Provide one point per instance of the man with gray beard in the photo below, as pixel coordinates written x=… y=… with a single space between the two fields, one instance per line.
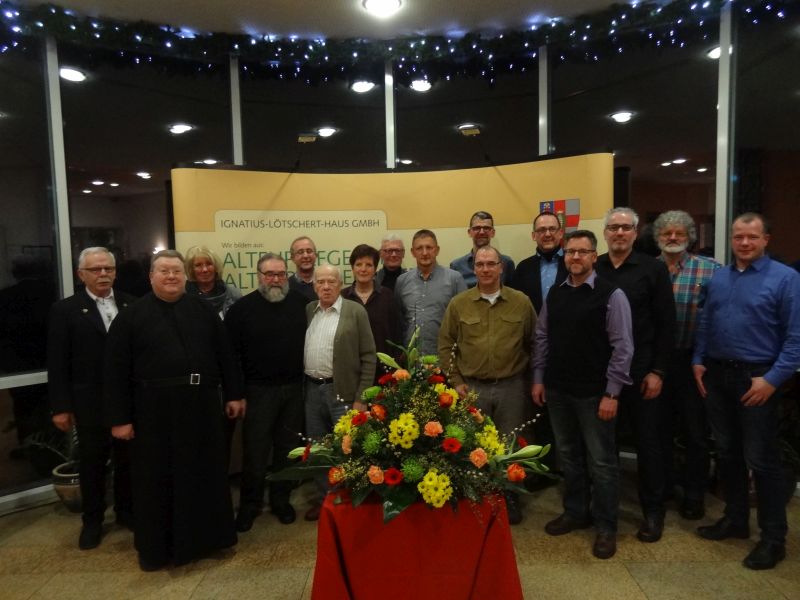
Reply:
x=267 y=329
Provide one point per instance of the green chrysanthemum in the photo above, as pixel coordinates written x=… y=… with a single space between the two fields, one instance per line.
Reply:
x=455 y=431
x=412 y=469
x=372 y=443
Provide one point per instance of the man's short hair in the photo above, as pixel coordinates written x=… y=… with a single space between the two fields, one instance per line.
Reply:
x=302 y=237
x=392 y=237
x=94 y=250
x=424 y=233
x=671 y=218
x=546 y=213
x=332 y=268
x=749 y=217
x=169 y=253
x=483 y=216
x=490 y=249
x=364 y=251
x=625 y=210
x=201 y=252
x=270 y=256
x=581 y=233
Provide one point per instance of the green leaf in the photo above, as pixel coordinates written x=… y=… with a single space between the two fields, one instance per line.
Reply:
x=299 y=472
x=357 y=496
x=412 y=357
x=397 y=500
x=387 y=360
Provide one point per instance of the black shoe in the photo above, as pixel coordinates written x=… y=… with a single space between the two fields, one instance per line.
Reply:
x=692 y=510
x=564 y=524
x=285 y=513
x=651 y=529
x=245 y=518
x=765 y=556
x=90 y=537
x=724 y=529
x=512 y=506
x=125 y=519
x=605 y=545
x=148 y=565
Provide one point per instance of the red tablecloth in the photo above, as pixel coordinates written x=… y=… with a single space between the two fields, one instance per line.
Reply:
x=423 y=553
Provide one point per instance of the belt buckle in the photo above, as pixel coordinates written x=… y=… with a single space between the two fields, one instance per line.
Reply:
x=194 y=379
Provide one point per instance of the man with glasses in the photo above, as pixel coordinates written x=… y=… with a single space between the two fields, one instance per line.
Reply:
x=481 y=230
x=303 y=253
x=584 y=345
x=485 y=344
x=76 y=345
x=647 y=285
x=392 y=253
x=267 y=329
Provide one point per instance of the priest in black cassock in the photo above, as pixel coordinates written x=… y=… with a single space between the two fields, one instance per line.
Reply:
x=171 y=381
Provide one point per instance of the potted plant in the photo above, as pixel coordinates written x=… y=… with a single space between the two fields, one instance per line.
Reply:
x=53 y=446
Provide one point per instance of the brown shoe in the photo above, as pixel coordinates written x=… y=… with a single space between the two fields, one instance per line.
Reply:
x=564 y=524
x=605 y=545
x=312 y=514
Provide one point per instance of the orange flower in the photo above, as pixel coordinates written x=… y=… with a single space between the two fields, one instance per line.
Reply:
x=378 y=411
x=445 y=400
x=478 y=457
x=401 y=375
x=375 y=475
x=347 y=444
x=433 y=428
x=335 y=475
x=515 y=472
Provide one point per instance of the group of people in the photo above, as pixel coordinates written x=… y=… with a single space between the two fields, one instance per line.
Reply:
x=674 y=339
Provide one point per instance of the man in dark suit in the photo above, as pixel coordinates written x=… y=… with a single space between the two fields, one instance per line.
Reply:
x=75 y=351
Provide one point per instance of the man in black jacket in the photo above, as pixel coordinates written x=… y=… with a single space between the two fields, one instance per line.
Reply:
x=75 y=351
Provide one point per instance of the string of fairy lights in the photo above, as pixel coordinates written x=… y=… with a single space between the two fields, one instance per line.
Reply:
x=595 y=37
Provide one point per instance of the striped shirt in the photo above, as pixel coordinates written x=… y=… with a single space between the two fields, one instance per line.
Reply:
x=318 y=356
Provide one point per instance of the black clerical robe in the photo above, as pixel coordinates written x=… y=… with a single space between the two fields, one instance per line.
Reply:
x=178 y=454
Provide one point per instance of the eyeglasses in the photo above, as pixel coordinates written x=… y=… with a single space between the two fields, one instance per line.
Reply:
x=622 y=227
x=543 y=230
x=486 y=265
x=482 y=228
x=581 y=252
x=669 y=234
x=393 y=251
x=98 y=270
x=168 y=272
x=273 y=274
x=301 y=251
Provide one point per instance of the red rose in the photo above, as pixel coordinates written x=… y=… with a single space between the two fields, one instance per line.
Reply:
x=386 y=379
x=521 y=441
x=451 y=445
x=392 y=476
x=359 y=419
x=515 y=472
x=306 y=453
x=434 y=379
x=445 y=400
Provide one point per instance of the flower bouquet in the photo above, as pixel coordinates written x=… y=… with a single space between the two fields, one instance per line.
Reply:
x=417 y=439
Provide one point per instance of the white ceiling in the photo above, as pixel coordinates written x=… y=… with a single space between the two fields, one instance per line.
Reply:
x=334 y=18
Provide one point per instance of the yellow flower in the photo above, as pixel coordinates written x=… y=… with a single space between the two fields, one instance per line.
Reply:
x=403 y=430
x=489 y=440
x=343 y=425
x=435 y=488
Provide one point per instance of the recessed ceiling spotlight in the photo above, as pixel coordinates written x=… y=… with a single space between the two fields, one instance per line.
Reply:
x=420 y=85
x=210 y=161
x=179 y=128
x=362 y=86
x=702 y=169
x=678 y=161
x=326 y=131
x=382 y=8
x=144 y=175
x=71 y=74
x=469 y=129
x=87 y=191
x=113 y=184
x=714 y=53
x=98 y=182
x=622 y=116
x=666 y=164
x=405 y=161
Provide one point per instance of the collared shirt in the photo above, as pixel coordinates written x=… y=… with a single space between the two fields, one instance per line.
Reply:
x=548 y=270
x=423 y=302
x=318 y=353
x=107 y=307
x=618 y=327
x=753 y=316
x=689 y=286
x=489 y=340
x=466 y=266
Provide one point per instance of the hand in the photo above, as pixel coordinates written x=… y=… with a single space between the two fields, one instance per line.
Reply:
x=63 y=421
x=359 y=406
x=699 y=371
x=607 y=409
x=537 y=393
x=123 y=432
x=462 y=390
x=236 y=408
x=759 y=392
x=651 y=386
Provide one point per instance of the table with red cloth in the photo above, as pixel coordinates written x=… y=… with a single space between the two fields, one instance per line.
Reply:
x=422 y=553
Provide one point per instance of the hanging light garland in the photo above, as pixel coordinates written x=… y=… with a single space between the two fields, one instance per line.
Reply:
x=589 y=38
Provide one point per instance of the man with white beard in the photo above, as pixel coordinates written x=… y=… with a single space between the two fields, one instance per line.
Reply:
x=675 y=233
x=267 y=329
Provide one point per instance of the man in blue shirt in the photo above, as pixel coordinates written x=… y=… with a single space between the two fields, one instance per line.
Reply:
x=481 y=230
x=747 y=346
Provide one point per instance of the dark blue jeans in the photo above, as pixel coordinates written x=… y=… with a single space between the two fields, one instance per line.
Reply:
x=747 y=438
x=588 y=453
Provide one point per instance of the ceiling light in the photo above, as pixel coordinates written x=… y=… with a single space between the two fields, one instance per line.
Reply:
x=420 y=85
x=87 y=191
x=666 y=164
x=114 y=184
x=179 y=128
x=469 y=129
x=362 y=86
x=98 y=182
x=678 y=161
x=144 y=175
x=405 y=161
x=714 y=53
x=210 y=161
x=71 y=74
x=326 y=131
x=621 y=117
x=382 y=8
x=702 y=169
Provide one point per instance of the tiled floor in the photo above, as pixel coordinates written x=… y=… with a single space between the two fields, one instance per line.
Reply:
x=39 y=558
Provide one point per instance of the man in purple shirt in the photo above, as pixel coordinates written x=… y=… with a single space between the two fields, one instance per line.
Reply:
x=584 y=346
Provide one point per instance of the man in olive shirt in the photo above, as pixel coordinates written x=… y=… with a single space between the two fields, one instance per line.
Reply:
x=485 y=346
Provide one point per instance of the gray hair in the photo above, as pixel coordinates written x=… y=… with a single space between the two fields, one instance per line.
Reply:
x=270 y=256
x=625 y=210
x=94 y=250
x=392 y=237
x=335 y=270
x=672 y=218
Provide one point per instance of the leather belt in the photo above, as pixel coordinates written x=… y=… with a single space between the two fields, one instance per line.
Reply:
x=738 y=365
x=191 y=379
x=319 y=380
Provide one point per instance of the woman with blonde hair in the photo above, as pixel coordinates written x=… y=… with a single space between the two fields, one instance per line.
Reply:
x=204 y=273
